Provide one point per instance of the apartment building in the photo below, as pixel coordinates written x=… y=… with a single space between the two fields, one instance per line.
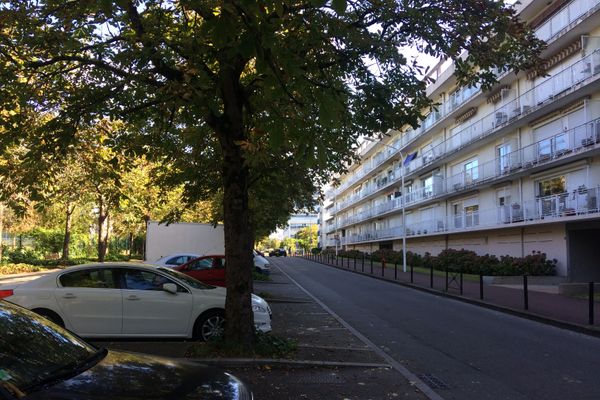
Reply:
x=512 y=170
x=295 y=224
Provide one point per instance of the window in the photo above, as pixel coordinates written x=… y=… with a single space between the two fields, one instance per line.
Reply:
x=89 y=278
x=428 y=186
x=457 y=212
x=207 y=263
x=472 y=215
x=556 y=185
x=503 y=158
x=178 y=260
x=136 y=279
x=471 y=171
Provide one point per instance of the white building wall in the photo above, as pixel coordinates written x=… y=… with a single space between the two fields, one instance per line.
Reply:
x=549 y=171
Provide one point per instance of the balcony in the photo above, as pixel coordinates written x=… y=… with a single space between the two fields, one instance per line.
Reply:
x=569 y=14
x=557 y=207
x=565 y=81
x=554 y=148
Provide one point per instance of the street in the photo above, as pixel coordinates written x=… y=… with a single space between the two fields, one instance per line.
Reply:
x=460 y=350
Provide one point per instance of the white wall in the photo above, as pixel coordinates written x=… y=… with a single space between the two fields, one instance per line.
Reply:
x=163 y=239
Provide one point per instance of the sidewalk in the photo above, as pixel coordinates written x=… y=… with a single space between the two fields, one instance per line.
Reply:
x=331 y=362
x=544 y=303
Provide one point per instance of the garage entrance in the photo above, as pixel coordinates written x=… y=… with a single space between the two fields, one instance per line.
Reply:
x=583 y=247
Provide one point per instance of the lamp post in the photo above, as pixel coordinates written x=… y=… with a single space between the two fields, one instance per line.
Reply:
x=403 y=198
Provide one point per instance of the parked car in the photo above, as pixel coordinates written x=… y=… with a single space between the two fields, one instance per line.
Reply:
x=207 y=269
x=211 y=269
x=278 y=253
x=173 y=260
x=261 y=264
x=40 y=360
x=130 y=300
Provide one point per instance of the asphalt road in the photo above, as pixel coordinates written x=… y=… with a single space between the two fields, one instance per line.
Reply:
x=460 y=350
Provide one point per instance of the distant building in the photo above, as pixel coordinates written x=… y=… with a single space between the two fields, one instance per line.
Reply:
x=510 y=170
x=295 y=223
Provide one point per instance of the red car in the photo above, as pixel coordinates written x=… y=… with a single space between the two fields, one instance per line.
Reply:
x=207 y=269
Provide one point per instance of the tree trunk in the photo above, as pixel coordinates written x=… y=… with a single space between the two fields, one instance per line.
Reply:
x=67 y=238
x=130 y=243
x=1 y=230
x=106 y=235
x=101 y=219
x=239 y=330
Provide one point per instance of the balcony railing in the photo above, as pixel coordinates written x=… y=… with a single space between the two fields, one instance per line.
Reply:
x=578 y=202
x=535 y=98
x=553 y=148
x=569 y=14
x=547 y=150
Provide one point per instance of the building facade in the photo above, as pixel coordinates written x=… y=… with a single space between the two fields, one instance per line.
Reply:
x=512 y=170
x=295 y=224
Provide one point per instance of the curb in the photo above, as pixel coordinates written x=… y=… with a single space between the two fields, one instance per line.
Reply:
x=583 y=329
x=277 y=361
x=27 y=274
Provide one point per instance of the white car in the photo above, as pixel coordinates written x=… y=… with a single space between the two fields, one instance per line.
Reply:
x=130 y=300
x=261 y=264
x=174 y=260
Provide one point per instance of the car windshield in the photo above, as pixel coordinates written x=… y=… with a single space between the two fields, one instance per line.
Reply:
x=34 y=351
x=196 y=284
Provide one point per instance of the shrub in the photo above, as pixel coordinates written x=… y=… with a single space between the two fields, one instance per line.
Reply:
x=470 y=263
x=350 y=253
x=390 y=256
x=18 y=268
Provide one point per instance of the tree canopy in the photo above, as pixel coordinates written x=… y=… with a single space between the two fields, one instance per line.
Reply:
x=231 y=87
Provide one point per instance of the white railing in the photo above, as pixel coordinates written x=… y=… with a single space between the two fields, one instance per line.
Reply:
x=569 y=14
x=535 y=98
x=564 y=17
x=578 y=202
x=553 y=148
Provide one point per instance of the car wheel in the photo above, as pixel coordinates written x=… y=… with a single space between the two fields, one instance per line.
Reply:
x=50 y=316
x=209 y=325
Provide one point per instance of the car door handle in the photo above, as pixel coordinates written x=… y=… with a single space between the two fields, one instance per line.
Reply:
x=133 y=298
x=69 y=296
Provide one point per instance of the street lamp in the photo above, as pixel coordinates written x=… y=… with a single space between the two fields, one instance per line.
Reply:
x=403 y=198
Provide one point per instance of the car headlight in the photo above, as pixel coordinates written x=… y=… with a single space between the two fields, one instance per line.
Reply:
x=257 y=308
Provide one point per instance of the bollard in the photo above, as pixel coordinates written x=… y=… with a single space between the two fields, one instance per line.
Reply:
x=371 y=258
x=355 y=262
x=591 y=303
x=461 y=282
x=431 y=276
x=383 y=267
x=446 y=279
x=480 y=286
x=525 y=293
x=411 y=274
x=363 y=263
x=396 y=270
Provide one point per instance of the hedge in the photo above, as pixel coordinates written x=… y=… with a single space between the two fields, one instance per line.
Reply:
x=464 y=260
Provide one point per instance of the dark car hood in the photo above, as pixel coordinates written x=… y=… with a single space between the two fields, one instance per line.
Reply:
x=132 y=376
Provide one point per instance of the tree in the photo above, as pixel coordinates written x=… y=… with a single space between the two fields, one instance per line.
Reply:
x=226 y=83
x=307 y=237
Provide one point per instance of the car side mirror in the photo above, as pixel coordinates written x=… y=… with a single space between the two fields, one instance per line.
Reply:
x=170 y=288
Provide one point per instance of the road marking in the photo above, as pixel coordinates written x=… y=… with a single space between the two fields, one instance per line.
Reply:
x=412 y=378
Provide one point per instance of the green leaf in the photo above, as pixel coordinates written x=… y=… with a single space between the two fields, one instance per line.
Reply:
x=275 y=137
x=339 y=6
